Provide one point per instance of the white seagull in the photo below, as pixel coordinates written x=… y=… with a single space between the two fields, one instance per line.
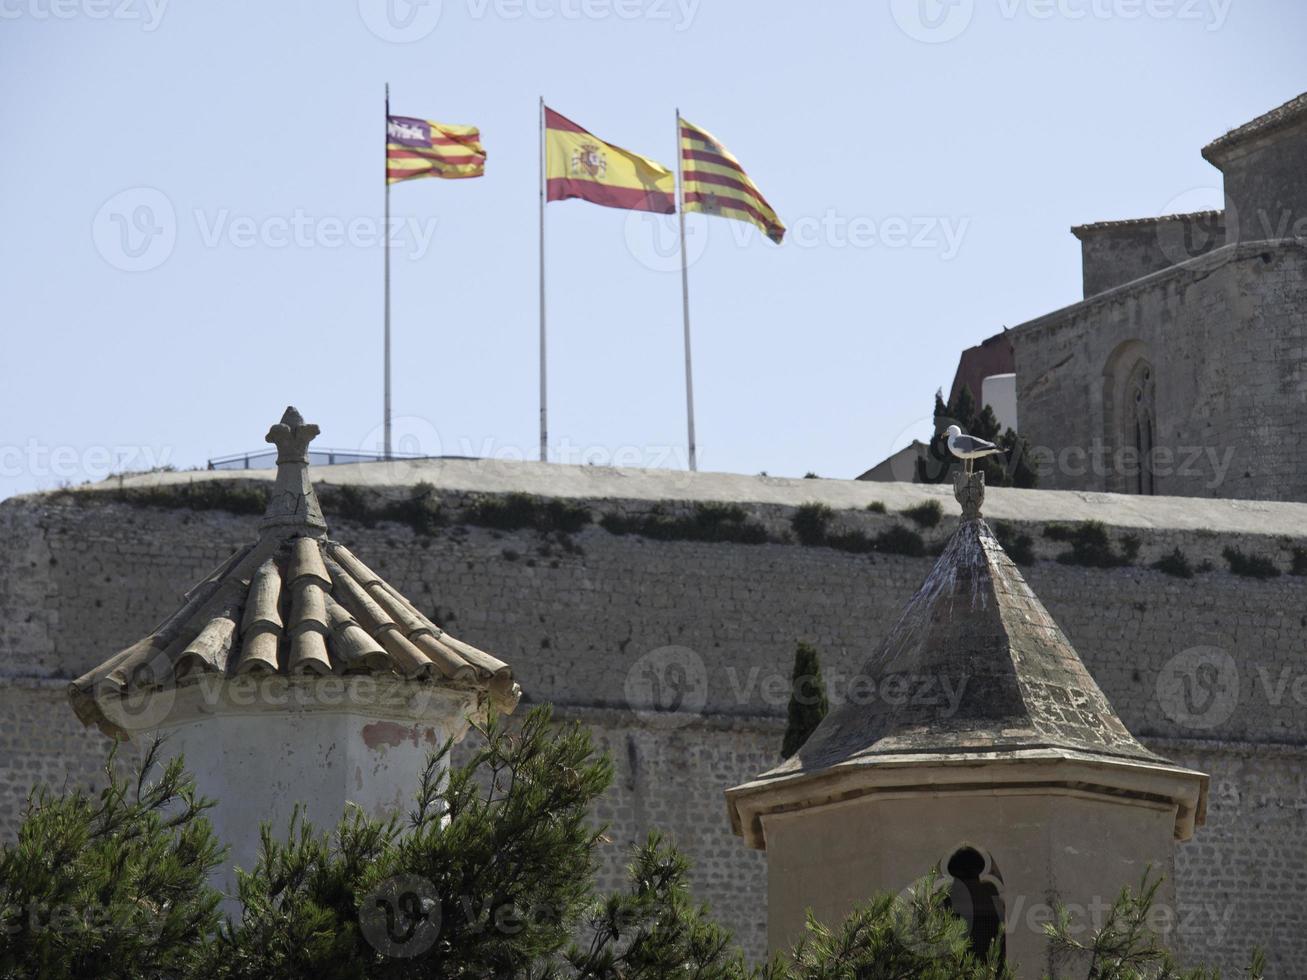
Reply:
x=968 y=448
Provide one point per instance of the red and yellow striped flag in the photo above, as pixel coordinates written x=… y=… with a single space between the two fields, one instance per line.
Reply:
x=712 y=181
x=580 y=164
x=422 y=148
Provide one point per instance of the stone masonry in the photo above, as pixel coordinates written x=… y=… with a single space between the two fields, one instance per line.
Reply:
x=677 y=652
x=1183 y=370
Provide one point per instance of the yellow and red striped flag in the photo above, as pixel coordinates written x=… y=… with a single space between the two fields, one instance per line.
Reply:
x=422 y=148
x=712 y=181
x=579 y=164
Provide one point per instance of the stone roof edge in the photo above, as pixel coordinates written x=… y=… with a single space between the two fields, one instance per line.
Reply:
x=1122 y=778
x=760 y=724
x=1268 y=122
x=1197 y=268
x=1095 y=226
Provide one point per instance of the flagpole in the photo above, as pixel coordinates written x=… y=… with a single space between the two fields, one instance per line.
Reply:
x=385 y=251
x=685 y=301
x=544 y=403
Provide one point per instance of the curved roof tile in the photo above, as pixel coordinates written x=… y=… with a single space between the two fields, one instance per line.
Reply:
x=293 y=603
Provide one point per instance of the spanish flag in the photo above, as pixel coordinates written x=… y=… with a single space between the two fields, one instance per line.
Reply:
x=712 y=181
x=422 y=148
x=578 y=164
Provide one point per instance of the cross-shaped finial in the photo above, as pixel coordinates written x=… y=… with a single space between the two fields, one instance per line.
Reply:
x=292 y=504
x=292 y=436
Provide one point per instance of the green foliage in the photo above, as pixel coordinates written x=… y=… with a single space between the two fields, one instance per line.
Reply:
x=900 y=540
x=110 y=885
x=1175 y=563
x=808 y=703
x=651 y=931
x=1299 y=566
x=926 y=514
x=1130 y=547
x=420 y=510
x=519 y=510
x=914 y=936
x=1124 y=946
x=504 y=847
x=1013 y=468
x=231 y=496
x=708 y=522
x=1250 y=566
x=1091 y=545
x=810 y=521
x=1020 y=547
x=811 y=525
x=491 y=875
x=876 y=507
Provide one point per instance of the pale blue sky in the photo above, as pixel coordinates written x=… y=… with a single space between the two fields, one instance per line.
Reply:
x=928 y=156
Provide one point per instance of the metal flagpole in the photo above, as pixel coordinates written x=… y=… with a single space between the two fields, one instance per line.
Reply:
x=544 y=417
x=385 y=251
x=685 y=299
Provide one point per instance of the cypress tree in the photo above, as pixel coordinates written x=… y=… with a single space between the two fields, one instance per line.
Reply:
x=808 y=704
x=1015 y=468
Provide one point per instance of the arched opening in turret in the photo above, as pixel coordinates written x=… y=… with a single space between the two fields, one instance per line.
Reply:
x=975 y=895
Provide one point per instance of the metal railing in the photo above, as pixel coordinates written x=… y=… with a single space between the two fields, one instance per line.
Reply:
x=267 y=458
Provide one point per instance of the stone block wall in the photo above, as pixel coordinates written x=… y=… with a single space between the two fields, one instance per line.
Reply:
x=677 y=653
x=1114 y=253
x=1226 y=335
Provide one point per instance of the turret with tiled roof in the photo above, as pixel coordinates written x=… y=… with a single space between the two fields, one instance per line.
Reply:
x=294 y=675
x=975 y=727
x=292 y=603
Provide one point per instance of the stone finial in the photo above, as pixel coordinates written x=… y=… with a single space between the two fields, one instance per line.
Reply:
x=292 y=436
x=292 y=502
x=969 y=488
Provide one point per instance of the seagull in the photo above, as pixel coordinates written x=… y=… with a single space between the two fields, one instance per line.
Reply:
x=968 y=448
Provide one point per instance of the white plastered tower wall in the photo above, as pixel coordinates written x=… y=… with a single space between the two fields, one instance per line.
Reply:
x=264 y=751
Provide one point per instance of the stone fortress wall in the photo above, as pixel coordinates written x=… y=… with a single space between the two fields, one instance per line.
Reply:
x=1184 y=369
x=678 y=652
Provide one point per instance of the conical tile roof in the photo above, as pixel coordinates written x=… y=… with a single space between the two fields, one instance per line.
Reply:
x=294 y=602
x=975 y=664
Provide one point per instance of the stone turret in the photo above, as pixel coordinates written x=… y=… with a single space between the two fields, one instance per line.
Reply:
x=1262 y=163
x=1007 y=770
x=293 y=673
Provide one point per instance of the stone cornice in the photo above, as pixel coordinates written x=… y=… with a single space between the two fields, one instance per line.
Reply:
x=1190 y=271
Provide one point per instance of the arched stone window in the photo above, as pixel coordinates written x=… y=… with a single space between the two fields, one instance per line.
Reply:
x=1129 y=418
x=1139 y=414
x=975 y=894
